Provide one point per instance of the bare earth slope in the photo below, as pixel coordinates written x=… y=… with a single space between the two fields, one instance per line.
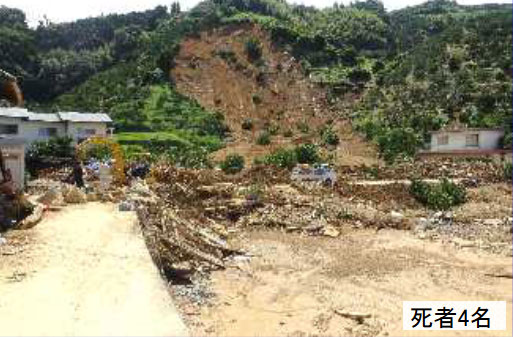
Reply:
x=215 y=70
x=83 y=271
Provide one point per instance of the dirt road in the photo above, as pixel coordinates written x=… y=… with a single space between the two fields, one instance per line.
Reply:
x=294 y=283
x=83 y=271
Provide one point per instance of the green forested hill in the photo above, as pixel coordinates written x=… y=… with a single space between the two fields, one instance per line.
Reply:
x=450 y=62
x=53 y=58
x=413 y=69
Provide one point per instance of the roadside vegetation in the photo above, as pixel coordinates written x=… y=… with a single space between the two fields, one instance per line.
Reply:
x=233 y=163
x=288 y=158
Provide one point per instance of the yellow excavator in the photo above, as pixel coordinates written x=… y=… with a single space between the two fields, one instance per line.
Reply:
x=13 y=205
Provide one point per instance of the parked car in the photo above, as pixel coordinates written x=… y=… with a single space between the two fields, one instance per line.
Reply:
x=322 y=173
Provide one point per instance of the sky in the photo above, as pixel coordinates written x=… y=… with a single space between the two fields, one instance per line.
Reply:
x=69 y=10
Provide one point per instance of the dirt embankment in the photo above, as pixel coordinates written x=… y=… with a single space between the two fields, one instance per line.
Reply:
x=272 y=92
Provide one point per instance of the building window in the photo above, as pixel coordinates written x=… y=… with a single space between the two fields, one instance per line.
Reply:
x=442 y=140
x=86 y=132
x=472 y=140
x=47 y=132
x=8 y=129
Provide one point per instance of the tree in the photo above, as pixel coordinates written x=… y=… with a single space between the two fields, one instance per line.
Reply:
x=175 y=8
x=370 y=5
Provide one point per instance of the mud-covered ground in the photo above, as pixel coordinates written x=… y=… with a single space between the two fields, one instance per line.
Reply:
x=292 y=284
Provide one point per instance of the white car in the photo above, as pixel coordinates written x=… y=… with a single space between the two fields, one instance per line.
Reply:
x=322 y=173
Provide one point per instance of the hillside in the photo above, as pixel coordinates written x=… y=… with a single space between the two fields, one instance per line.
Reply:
x=391 y=76
x=454 y=62
x=54 y=58
x=268 y=95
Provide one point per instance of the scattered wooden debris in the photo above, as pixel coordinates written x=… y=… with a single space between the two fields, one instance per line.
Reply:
x=357 y=316
x=508 y=275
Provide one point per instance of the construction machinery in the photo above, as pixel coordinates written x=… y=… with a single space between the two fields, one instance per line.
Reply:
x=10 y=92
x=13 y=205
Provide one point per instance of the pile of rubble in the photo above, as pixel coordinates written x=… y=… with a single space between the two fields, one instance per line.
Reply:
x=259 y=174
x=184 y=214
x=313 y=212
x=55 y=173
x=493 y=235
x=480 y=170
x=175 y=239
x=62 y=195
x=165 y=173
x=387 y=197
x=56 y=194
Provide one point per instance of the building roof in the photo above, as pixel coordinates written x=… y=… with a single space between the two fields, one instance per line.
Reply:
x=466 y=130
x=44 y=117
x=84 y=117
x=14 y=112
x=76 y=117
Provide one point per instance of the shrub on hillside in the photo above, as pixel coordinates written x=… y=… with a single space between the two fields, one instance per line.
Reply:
x=288 y=133
x=264 y=138
x=227 y=55
x=232 y=164
x=288 y=158
x=507 y=141
x=307 y=154
x=256 y=99
x=329 y=137
x=508 y=170
x=284 y=158
x=253 y=49
x=398 y=142
x=182 y=155
x=440 y=196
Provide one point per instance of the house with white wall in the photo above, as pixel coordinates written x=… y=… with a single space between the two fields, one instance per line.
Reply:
x=20 y=123
x=459 y=139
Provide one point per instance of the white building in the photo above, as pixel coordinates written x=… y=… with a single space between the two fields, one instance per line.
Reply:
x=22 y=124
x=465 y=140
x=13 y=152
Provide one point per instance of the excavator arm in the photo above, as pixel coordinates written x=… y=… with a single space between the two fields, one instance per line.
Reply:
x=12 y=92
x=10 y=89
